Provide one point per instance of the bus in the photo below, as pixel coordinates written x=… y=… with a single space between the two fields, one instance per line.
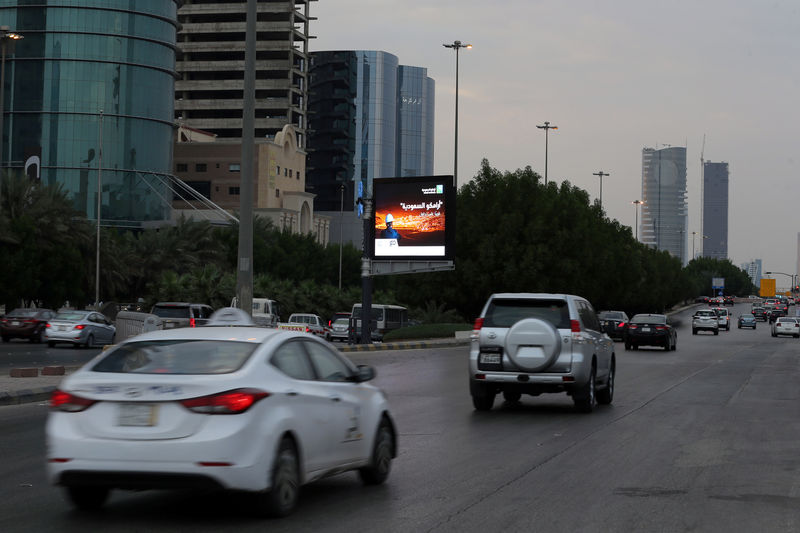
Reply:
x=384 y=318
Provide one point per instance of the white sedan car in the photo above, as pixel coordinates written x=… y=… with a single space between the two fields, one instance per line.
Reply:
x=254 y=409
x=786 y=325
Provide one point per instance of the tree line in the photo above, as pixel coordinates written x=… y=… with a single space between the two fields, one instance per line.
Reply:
x=513 y=234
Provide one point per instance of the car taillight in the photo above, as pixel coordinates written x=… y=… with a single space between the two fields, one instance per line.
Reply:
x=64 y=401
x=191 y=323
x=47 y=325
x=225 y=403
x=575 y=326
x=621 y=325
x=661 y=328
x=478 y=324
x=632 y=326
x=80 y=326
x=30 y=321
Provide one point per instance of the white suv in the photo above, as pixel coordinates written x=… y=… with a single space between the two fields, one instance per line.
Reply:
x=525 y=343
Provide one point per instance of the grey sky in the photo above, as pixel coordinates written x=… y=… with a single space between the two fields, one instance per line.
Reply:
x=614 y=76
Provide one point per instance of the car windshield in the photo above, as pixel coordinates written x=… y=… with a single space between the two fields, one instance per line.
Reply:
x=23 y=312
x=70 y=315
x=171 y=311
x=177 y=357
x=606 y=315
x=649 y=319
x=706 y=313
x=341 y=322
x=505 y=313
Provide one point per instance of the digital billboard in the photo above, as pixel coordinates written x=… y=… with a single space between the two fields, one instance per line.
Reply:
x=414 y=218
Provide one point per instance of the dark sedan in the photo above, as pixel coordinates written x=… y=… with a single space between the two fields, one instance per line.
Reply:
x=25 y=323
x=760 y=313
x=615 y=323
x=651 y=330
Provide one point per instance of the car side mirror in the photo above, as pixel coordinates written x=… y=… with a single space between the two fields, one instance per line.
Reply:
x=365 y=373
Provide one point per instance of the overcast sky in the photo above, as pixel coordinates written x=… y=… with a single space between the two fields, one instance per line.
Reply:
x=615 y=76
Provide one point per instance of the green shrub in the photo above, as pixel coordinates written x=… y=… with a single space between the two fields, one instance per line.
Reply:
x=426 y=331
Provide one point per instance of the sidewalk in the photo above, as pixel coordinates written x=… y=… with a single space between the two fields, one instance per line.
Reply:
x=18 y=390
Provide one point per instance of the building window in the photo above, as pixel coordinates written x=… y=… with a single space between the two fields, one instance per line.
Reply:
x=233 y=191
x=277 y=193
x=298 y=174
x=285 y=172
x=181 y=167
x=279 y=170
x=202 y=187
x=290 y=173
x=234 y=167
x=201 y=167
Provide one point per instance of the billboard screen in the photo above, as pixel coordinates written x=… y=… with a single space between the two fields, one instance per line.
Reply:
x=414 y=218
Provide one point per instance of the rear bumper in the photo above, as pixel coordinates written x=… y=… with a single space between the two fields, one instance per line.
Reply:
x=648 y=340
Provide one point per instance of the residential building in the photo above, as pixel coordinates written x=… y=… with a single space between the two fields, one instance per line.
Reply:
x=88 y=98
x=209 y=94
x=212 y=168
x=664 y=212
x=715 y=209
x=753 y=269
x=372 y=118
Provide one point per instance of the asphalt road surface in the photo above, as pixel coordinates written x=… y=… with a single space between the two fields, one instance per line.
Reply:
x=700 y=439
x=22 y=353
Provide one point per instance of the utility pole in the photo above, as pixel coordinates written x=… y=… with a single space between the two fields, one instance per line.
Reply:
x=601 y=174
x=546 y=127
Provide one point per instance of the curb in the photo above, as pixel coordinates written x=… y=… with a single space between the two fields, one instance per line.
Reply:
x=38 y=394
x=409 y=345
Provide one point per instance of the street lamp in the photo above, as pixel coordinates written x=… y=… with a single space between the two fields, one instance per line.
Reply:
x=636 y=204
x=6 y=37
x=546 y=127
x=601 y=174
x=693 y=235
x=341 y=235
x=457 y=45
x=793 y=277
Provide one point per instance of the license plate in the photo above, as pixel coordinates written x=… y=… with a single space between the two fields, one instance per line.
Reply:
x=490 y=358
x=168 y=325
x=137 y=414
x=646 y=330
x=62 y=328
x=15 y=323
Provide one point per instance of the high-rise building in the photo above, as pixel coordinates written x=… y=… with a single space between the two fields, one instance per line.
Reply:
x=664 y=213
x=89 y=94
x=753 y=269
x=372 y=118
x=211 y=47
x=715 y=210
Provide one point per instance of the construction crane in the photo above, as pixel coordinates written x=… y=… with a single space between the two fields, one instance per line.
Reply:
x=702 y=182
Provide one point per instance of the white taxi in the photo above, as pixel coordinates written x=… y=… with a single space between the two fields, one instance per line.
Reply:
x=243 y=408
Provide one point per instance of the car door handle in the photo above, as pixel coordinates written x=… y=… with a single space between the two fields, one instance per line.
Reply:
x=292 y=393
x=335 y=398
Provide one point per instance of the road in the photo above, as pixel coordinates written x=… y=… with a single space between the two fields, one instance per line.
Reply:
x=700 y=439
x=21 y=353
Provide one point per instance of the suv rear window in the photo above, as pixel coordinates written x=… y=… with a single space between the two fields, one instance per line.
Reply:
x=505 y=313
x=177 y=357
x=172 y=311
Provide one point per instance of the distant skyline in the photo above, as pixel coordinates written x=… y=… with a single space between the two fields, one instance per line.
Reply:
x=615 y=77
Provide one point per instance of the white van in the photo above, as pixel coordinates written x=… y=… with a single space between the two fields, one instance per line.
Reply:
x=266 y=312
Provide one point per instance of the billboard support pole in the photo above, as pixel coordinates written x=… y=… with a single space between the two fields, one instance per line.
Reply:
x=366 y=274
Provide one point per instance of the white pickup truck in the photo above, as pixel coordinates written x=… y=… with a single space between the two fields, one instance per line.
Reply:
x=308 y=323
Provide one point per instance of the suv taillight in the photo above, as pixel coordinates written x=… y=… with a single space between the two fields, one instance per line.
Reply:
x=575 y=326
x=192 y=323
x=478 y=324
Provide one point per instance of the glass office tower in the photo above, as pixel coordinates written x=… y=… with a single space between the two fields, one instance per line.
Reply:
x=715 y=210
x=664 y=213
x=90 y=76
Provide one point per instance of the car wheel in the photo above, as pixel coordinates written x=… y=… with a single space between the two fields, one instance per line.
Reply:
x=281 y=498
x=774 y=334
x=585 y=397
x=482 y=397
x=675 y=344
x=89 y=341
x=88 y=498
x=381 y=462
x=512 y=397
x=51 y=343
x=6 y=339
x=627 y=346
x=716 y=332
x=694 y=331
x=667 y=344
x=606 y=395
x=739 y=326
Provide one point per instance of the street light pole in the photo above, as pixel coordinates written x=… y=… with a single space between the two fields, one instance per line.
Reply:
x=341 y=223
x=99 y=198
x=601 y=174
x=546 y=127
x=636 y=204
x=6 y=36
x=457 y=45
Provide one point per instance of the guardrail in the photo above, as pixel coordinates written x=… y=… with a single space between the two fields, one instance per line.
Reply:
x=132 y=323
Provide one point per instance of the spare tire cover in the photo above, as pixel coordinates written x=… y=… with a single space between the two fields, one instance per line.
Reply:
x=532 y=344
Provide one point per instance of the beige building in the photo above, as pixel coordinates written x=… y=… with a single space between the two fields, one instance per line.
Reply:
x=212 y=168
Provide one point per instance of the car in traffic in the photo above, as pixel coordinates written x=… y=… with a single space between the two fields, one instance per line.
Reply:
x=760 y=313
x=728 y=300
x=182 y=314
x=340 y=329
x=615 y=323
x=79 y=328
x=25 y=323
x=238 y=408
x=310 y=323
x=723 y=317
x=746 y=320
x=336 y=316
x=535 y=343
x=705 y=320
x=786 y=325
x=647 y=329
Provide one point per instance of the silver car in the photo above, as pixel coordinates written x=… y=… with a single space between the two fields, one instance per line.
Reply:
x=339 y=329
x=79 y=328
x=526 y=343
